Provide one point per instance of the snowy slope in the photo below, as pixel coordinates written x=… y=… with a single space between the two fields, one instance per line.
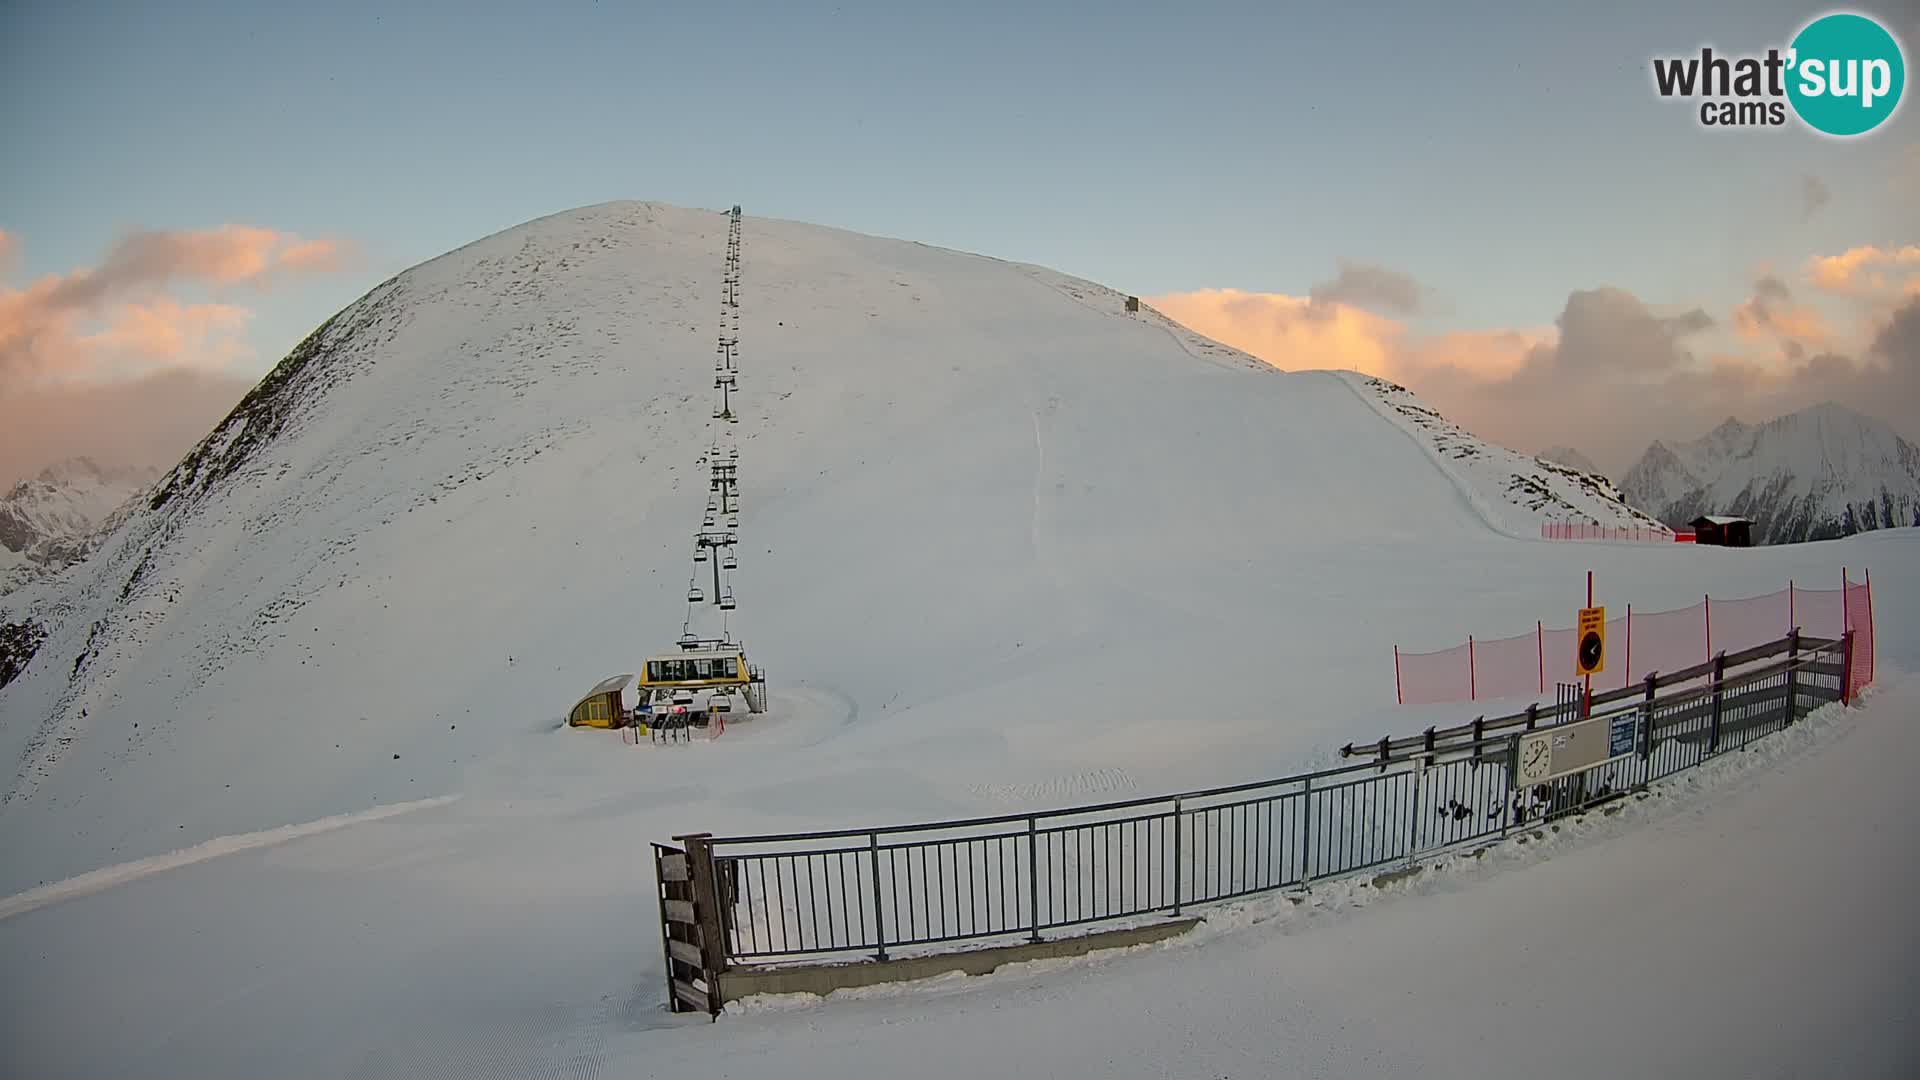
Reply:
x=1512 y=491
x=292 y=801
x=981 y=500
x=506 y=934
x=46 y=521
x=1797 y=476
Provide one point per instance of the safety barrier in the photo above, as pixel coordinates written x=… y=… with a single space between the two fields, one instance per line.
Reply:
x=1528 y=664
x=802 y=901
x=1591 y=530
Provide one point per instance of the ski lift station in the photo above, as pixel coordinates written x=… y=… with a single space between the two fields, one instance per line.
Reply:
x=690 y=686
x=703 y=678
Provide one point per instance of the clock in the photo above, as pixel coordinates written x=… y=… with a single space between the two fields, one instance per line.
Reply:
x=1536 y=760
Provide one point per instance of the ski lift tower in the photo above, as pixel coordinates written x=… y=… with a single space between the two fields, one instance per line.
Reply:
x=726 y=480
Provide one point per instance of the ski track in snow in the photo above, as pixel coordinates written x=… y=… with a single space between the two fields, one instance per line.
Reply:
x=107 y=877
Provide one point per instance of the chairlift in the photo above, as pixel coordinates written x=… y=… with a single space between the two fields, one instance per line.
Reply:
x=719 y=703
x=689 y=640
x=700 y=553
x=709 y=522
x=726 y=600
x=694 y=595
x=733 y=522
x=728 y=562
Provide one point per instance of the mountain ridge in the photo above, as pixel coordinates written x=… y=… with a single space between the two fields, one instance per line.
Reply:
x=1818 y=473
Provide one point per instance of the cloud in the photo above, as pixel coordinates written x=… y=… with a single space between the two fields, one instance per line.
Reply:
x=1771 y=315
x=1866 y=271
x=113 y=362
x=1610 y=376
x=1372 y=287
x=1813 y=196
x=6 y=252
x=164 y=330
x=120 y=315
x=152 y=419
x=1288 y=332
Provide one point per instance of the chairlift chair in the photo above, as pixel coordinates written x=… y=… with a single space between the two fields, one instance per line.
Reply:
x=694 y=595
x=726 y=600
x=728 y=562
x=700 y=553
x=719 y=703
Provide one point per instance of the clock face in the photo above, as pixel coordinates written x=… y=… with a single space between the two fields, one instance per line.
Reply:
x=1535 y=759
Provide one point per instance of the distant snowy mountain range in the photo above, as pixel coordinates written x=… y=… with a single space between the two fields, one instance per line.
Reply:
x=1822 y=472
x=52 y=520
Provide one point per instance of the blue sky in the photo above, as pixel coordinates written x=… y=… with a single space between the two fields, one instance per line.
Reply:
x=1502 y=154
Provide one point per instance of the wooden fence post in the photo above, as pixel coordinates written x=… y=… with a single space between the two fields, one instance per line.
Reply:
x=707 y=914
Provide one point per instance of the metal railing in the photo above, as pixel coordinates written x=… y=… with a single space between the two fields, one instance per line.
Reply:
x=880 y=891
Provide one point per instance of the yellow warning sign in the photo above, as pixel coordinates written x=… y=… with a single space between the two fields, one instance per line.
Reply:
x=1591 y=655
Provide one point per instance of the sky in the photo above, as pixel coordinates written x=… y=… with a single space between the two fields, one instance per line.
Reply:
x=1488 y=204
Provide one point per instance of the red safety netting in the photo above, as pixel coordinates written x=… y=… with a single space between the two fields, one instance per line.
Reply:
x=1820 y=612
x=1589 y=530
x=1639 y=644
x=1435 y=677
x=1509 y=667
x=1859 y=616
x=1736 y=625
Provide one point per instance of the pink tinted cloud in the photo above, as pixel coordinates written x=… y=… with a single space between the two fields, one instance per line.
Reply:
x=165 y=331
x=1300 y=333
x=1609 y=355
x=1866 y=270
x=121 y=313
x=113 y=362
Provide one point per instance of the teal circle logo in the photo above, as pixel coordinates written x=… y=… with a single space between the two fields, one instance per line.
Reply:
x=1846 y=74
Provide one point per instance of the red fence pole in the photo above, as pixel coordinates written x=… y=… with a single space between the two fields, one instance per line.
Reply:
x=1399 y=698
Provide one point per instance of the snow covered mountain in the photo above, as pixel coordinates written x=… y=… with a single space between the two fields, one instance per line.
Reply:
x=983 y=503
x=1810 y=475
x=1571 y=458
x=1512 y=491
x=48 y=522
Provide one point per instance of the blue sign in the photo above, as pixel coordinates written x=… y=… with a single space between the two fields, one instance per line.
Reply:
x=1620 y=732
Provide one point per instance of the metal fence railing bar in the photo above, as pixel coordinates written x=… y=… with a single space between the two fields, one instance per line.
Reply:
x=1004 y=878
